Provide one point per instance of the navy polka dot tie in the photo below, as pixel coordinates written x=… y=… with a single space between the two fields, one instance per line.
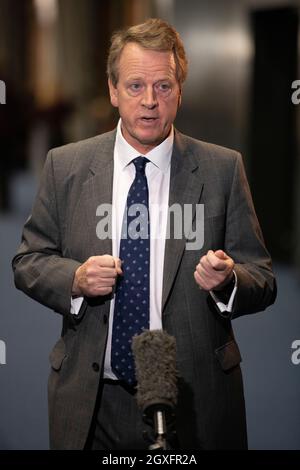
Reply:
x=131 y=314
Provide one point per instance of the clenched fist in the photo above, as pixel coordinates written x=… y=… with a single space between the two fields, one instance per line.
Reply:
x=214 y=271
x=96 y=276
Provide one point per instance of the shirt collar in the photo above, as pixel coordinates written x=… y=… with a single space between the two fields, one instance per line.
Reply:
x=160 y=156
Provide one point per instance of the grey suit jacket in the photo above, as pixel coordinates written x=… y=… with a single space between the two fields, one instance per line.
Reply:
x=60 y=234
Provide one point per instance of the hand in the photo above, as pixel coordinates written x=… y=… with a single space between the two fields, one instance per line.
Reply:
x=214 y=271
x=96 y=276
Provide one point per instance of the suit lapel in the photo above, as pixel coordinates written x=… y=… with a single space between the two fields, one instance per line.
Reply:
x=185 y=188
x=99 y=191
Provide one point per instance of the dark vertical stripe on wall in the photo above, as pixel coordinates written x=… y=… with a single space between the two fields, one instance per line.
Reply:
x=273 y=126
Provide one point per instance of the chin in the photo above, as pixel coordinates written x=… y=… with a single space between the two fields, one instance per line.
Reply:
x=145 y=139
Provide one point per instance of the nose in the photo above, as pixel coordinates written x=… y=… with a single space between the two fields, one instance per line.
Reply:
x=149 y=99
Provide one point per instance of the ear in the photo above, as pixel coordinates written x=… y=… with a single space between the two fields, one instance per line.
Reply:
x=113 y=93
x=179 y=98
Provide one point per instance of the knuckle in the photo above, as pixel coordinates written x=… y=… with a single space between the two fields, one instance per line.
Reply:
x=89 y=271
x=199 y=270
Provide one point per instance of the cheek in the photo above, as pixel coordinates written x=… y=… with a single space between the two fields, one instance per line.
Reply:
x=170 y=108
x=126 y=109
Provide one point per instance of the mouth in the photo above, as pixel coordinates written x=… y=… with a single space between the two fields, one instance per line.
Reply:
x=148 y=119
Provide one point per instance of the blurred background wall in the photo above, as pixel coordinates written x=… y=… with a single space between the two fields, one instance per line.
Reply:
x=243 y=58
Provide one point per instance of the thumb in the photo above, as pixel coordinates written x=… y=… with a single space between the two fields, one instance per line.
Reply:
x=221 y=254
x=118 y=264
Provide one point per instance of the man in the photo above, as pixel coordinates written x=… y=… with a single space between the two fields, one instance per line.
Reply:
x=122 y=284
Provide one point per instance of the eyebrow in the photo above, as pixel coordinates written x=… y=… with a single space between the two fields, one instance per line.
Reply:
x=165 y=79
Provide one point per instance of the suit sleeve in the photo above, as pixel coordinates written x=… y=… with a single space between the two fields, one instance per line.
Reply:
x=256 y=285
x=40 y=270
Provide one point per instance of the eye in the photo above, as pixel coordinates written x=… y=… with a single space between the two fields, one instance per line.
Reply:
x=164 y=87
x=135 y=87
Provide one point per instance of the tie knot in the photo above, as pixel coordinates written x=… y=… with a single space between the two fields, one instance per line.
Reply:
x=140 y=164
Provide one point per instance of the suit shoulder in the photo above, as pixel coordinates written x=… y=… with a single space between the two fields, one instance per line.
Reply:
x=82 y=149
x=74 y=160
x=201 y=149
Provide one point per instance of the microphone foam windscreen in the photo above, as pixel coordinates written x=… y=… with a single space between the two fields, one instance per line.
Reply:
x=155 y=366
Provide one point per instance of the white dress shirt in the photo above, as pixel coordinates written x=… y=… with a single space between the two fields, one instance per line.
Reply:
x=158 y=177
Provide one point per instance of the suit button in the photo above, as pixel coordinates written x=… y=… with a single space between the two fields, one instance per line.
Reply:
x=105 y=319
x=95 y=366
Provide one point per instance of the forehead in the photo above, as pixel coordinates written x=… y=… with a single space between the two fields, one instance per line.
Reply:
x=136 y=60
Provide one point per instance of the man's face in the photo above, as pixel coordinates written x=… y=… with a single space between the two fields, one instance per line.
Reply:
x=147 y=95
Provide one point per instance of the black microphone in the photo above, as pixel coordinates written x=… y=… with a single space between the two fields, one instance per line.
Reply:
x=156 y=373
